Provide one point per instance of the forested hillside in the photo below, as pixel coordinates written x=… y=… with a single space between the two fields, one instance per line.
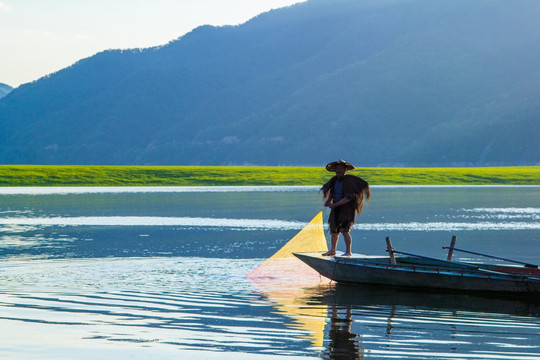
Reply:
x=386 y=82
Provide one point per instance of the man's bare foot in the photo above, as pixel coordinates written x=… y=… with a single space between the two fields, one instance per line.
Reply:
x=329 y=253
x=346 y=254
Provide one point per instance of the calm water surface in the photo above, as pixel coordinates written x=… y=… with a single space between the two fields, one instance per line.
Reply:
x=160 y=273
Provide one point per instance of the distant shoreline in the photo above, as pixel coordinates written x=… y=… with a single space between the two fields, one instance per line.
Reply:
x=94 y=175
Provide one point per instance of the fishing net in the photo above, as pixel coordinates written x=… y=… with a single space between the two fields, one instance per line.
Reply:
x=310 y=239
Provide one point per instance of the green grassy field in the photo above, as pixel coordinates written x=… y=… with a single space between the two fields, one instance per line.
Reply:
x=38 y=175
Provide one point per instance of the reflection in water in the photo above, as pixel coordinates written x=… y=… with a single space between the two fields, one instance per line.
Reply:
x=283 y=281
x=389 y=325
x=343 y=343
x=382 y=323
x=189 y=307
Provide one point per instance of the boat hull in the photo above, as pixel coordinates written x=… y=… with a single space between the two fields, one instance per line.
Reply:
x=375 y=270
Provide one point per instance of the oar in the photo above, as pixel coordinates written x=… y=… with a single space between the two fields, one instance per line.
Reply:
x=465 y=266
x=531 y=266
x=446 y=262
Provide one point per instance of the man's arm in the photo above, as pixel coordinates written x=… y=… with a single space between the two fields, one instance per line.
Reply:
x=343 y=201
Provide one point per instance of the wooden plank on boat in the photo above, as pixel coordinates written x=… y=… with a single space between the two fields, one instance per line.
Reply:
x=451 y=249
x=391 y=251
x=441 y=261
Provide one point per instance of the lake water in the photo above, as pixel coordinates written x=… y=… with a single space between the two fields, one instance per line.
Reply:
x=159 y=273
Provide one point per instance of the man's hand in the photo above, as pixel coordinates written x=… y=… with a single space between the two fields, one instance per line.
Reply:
x=331 y=205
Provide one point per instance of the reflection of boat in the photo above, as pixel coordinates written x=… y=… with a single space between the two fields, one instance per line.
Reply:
x=373 y=320
x=373 y=317
x=344 y=295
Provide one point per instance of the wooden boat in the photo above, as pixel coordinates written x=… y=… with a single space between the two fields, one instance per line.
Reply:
x=401 y=269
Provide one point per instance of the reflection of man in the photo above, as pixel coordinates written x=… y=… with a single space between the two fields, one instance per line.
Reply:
x=344 y=194
x=343 y=342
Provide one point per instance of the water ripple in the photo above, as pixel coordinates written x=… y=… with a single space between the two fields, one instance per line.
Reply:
x=195 y=306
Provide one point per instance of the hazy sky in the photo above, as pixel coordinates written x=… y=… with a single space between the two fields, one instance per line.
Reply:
x=38 y=37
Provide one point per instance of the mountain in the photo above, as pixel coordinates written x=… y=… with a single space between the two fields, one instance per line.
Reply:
x=4 y=90
x=386 y=82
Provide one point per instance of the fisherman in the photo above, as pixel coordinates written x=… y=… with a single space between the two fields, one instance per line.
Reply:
x=344 y=195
